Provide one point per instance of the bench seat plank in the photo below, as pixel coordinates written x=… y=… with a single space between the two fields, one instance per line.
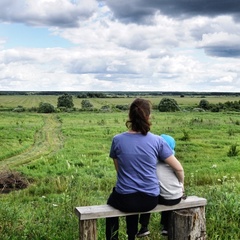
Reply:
x=105 y=211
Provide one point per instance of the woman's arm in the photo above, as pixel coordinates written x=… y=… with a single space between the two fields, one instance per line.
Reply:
x=177 y=167
x=115 y=163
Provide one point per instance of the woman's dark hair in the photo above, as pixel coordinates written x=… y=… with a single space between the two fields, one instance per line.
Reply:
x=139 y=113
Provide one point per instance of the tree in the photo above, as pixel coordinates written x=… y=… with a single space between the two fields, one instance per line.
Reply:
x=46 y=108
x=65 y=100
x=86 y=104
x=204 y=104
x=168 y=105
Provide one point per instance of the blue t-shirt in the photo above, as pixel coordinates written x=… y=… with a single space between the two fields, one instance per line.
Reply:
x=137 y=156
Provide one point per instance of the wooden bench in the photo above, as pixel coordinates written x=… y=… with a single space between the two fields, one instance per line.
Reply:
x=187 y=219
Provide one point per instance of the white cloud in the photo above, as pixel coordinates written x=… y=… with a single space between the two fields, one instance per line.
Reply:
x=220 y=38
x=62 y=13
x=166 y=54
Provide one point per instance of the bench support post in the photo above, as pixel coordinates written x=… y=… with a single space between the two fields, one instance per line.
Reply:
x=88 y=229
x=188 y=224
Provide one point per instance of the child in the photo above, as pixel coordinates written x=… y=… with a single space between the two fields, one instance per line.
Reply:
x=171 y=192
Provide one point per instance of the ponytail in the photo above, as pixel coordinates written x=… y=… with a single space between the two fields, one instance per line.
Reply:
x=139 y=114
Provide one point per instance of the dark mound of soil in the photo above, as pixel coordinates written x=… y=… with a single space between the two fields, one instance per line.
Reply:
x=10 y=181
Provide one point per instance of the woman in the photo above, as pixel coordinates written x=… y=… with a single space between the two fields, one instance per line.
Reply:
x=135 y=154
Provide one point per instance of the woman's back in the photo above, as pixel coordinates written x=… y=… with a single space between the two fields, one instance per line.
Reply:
x=137 y=156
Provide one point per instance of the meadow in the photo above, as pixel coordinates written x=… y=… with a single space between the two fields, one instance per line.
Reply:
x=64 y=158
x=30 y=101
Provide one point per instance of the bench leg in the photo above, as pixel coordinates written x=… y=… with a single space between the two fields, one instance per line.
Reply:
x=188 y=224
x=88 y=229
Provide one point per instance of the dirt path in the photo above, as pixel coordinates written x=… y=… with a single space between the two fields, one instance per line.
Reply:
x=47 y=141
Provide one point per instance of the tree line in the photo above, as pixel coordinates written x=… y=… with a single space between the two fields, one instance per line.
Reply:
x=113 y=94
x=65 y=103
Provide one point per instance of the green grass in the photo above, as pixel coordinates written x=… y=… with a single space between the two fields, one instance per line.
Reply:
x=74 y=169
x=17 y=132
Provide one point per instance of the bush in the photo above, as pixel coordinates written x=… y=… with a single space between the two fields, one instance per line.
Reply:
x=233 y=152
x=46 y=108
x=122 y=107
x=19 y=109
x=168 y=105
x=204 y=104
x=186 y=136
x=86 y=105
x=105 y=108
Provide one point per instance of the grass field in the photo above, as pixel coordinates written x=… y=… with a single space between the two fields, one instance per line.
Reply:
x=29 y=101
x=65 y=159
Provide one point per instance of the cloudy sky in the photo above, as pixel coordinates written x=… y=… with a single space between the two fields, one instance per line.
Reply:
x=127 y=45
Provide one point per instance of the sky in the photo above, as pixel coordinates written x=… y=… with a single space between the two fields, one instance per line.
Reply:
x=127 y=45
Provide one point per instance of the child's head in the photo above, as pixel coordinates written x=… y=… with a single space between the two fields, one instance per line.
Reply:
x=170 y=140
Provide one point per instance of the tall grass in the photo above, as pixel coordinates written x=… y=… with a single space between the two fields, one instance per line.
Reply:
x=17 y=132
x=81 y=173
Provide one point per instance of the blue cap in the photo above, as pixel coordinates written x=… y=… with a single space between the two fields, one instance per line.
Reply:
x=170 y=141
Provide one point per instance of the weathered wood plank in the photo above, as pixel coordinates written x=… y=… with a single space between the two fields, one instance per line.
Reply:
x=105 y=211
